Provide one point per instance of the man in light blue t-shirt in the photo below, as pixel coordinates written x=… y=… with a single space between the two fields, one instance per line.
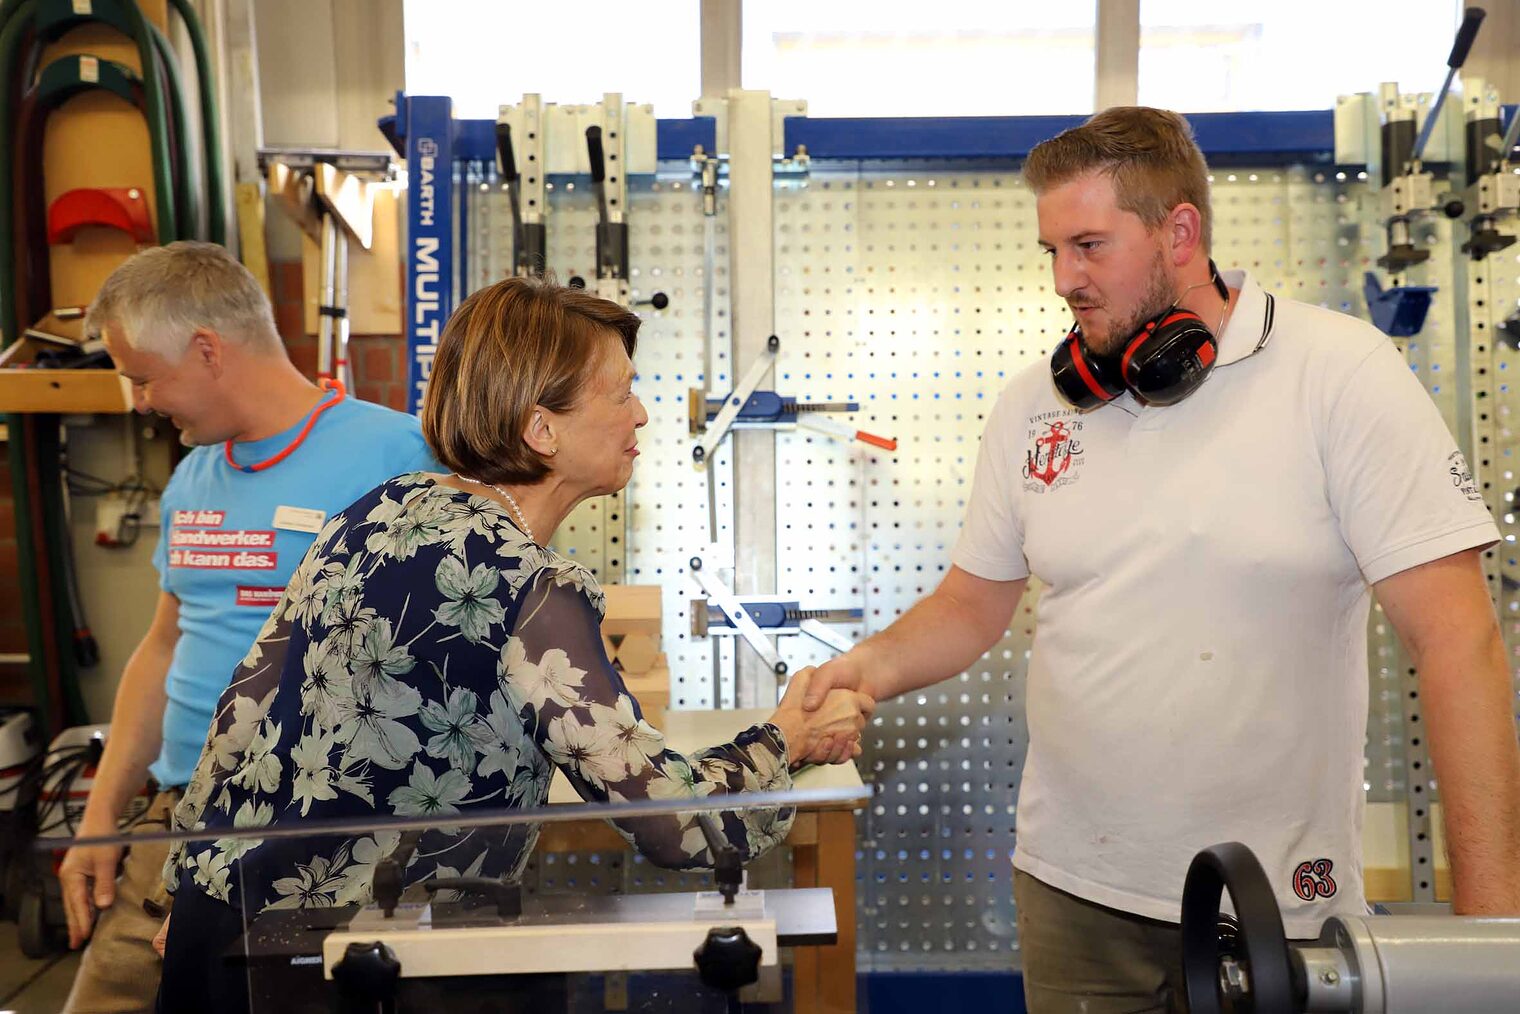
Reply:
x=274 y=455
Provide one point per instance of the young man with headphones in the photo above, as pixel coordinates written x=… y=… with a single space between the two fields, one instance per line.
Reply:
x=274 y=455
x=1210 y=483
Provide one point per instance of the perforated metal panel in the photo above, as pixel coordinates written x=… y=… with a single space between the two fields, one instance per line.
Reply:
x=1494 y=298
x=666 y=502
x=919 y=295
x=1496 y=283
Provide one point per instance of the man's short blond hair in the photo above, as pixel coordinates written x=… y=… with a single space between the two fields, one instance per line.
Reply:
x=1150 y=154
x=159 y=298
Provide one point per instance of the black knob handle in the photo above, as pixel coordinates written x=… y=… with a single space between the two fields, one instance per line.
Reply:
x=594 y=150
x=1471 y=19
x=506 y=162
x=659 y=301
x=367 y=974
x=576 y=282
x=728 y=959
x=387 y=885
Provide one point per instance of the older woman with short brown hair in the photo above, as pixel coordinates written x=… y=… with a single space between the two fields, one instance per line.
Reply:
x=431 y=656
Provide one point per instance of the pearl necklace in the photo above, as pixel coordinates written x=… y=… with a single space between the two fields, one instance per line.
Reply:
x=511 y=501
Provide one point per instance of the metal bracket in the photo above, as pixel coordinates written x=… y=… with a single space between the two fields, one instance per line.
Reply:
x=827 y=637
x=733 y=609
x=735 y=401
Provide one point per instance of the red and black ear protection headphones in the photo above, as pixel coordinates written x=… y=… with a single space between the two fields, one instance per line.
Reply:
x=1162 y=363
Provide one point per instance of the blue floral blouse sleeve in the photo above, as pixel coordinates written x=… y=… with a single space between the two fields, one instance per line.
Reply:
x=428 y=660
x=556 y=676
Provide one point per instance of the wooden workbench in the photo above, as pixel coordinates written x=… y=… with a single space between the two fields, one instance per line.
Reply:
x=1385 y=853
x=822 y=842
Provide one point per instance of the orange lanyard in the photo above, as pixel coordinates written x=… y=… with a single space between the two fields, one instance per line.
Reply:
x=270 y=462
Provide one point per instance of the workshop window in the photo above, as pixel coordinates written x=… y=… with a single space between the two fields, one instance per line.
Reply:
x=1201 y=56
x=911 y=58
x=486 y=53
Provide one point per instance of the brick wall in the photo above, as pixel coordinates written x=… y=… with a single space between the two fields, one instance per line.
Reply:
x=379 y=361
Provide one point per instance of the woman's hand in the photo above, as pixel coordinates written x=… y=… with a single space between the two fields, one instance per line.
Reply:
x=830 y=734
x=161 y=938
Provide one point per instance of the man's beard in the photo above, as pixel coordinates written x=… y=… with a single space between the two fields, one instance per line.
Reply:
x=1160 y=294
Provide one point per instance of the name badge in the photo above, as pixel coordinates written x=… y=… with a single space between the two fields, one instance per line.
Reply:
x=299 y=519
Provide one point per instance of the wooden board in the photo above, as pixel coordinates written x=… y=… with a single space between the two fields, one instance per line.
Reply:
x=96 y=140
x=374 y=275
x=58 y=391
x=632 y=609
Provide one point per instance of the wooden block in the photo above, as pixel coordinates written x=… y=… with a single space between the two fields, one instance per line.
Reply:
x=632 y=609
x=250 y=233
x=638 y=653
x=650 y=697
x=652 y=691
x=656 y=678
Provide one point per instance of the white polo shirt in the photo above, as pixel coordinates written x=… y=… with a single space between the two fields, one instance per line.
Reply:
x=1199 y=671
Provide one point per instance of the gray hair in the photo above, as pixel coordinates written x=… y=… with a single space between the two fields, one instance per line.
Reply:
x=162 y=296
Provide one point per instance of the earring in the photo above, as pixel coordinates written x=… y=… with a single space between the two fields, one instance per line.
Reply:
x=553 y=451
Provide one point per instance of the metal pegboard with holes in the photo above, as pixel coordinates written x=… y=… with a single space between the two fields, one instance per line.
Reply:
x=1494 y=287
x=1435 y=359
x=919 y=295
x=666 y=501
x=1497 y=328
x=1439 y=356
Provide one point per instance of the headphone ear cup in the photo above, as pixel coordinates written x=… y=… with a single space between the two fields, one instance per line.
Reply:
x=1170 y=359
x=1083 y=380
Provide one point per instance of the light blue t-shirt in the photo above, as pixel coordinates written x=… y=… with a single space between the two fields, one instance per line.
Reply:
x=230 y=541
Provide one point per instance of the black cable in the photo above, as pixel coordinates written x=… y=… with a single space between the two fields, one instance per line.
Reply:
x=73 y=763
x=75 y=767
x=131 y=484
x=41 y=772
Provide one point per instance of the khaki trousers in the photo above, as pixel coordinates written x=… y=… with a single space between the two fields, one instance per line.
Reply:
x=1083 y=958
x=119 y=970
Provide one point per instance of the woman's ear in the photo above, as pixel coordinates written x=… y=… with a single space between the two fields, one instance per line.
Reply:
x=542 y=433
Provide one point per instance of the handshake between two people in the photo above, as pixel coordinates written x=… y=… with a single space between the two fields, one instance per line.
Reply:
x=823 y=713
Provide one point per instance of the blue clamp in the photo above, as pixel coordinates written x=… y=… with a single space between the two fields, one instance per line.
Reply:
x=767 y=615
x=768 y=407
x=1398 y=312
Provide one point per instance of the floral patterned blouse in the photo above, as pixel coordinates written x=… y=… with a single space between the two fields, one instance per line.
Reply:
x=428 y=659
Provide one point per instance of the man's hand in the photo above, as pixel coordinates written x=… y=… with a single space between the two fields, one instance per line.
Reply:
x=830 y=734
x=947 y=631
x=843 y=673
x=85 y=869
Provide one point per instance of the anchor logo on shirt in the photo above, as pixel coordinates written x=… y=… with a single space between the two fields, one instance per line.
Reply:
x=1052 y=454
